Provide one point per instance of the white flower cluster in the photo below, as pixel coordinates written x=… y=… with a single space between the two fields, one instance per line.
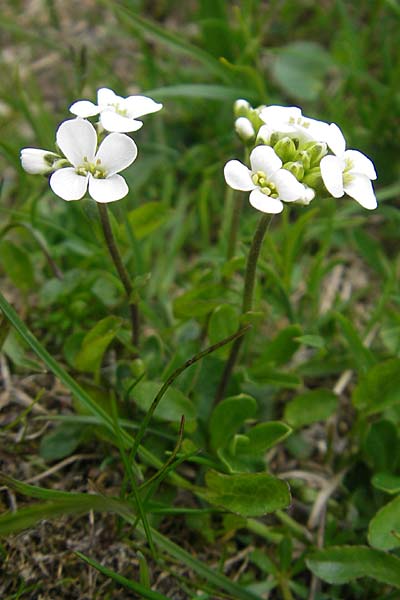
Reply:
x=83 y=164
x=294 y=158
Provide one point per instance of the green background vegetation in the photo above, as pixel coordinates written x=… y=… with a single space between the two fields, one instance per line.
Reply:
x=315 y=398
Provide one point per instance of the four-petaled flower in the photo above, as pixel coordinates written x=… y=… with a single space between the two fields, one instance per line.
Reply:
x=268 y=183
x=96 y=171
x=290 y=121
x=116 y=113
x=348 y=171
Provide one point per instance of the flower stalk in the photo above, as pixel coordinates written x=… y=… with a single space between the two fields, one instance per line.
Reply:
x=247 y=302
x=122 y=272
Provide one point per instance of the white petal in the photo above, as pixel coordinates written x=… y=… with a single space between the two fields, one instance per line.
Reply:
x=67 y=184
x=316 y=130
x=109 y=189
x=77 y=139
x=360 y=163
x=138 y=106
x=84 y=108
x=106 y=96
x=263 y=158
x=116 y=152
x=335 y=140
x=289 y=188
x=238 y=176
x=265 y=203
x=332 y=175
x=277 y=115
x=112 y=121
x=360 y=188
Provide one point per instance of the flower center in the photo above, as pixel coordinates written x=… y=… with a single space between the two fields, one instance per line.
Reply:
x=93 y=168
x=119 y=110
x=299 y=122
x=267 y=187
x=347 y=176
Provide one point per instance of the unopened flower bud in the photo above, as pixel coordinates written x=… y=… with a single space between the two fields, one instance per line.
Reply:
x=313 y=178
x=264 y=135
x=285 y=149
x=296 y=168
x=244 y=129
x=36 y=161
x=305 y=159
x=316 y=152
x=241 y=108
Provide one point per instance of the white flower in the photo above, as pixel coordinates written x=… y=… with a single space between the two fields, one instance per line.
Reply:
x=348 y=171
x=290 y=121
x=37 y=162
x=244 y=129
x=268 y=183
x=77 y=139
x=116 y=113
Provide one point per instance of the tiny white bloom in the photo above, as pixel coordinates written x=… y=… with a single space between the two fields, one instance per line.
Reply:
x=348 y=171
x=116 y=113
x=244 y=129
x=96 y=171
x=266 y=181
x=36 y=161
x=290 y=121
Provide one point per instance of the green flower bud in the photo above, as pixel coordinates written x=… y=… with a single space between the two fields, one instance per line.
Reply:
x=138 y=367
x=316 y=151
x=305 y=159
x=296 y=168
x=313 y=178
x=285 y=149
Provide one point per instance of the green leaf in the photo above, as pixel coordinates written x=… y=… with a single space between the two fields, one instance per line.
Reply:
x=200 y=90
x=196 y=302
x=228 y=416
x=363 y=357
x=341 y=564
x=270 y=375
x=379 y=388
x=262 y=437
x=17 y=264
x=140 y=589
x=224 y=321
x=310 y=407
x=381 y=446
x=147 y=218
x=61 y=442
x=282 y=347
x=96 y=342
x=248 y=494
x=300 y=68
x=176 y=43
x=387 y=482
x=384 y=525
x=313 y=341
x=173 y=405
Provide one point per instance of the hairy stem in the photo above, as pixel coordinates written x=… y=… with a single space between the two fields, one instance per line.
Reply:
x=119 y=265
x=247 y=301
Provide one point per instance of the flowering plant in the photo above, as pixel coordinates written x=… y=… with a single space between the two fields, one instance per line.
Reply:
x=312 y=152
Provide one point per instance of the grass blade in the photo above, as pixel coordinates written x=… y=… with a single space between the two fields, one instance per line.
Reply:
x=128 y=583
